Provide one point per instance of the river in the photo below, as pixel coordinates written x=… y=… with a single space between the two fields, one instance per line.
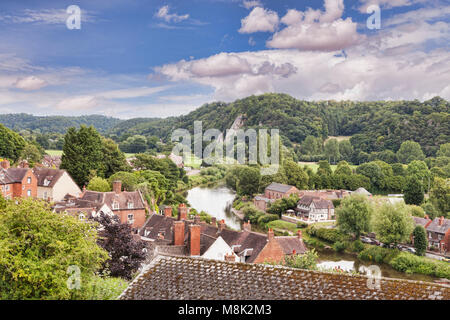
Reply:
x=216 y=201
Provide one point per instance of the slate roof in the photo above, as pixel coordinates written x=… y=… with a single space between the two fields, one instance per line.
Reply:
x=289 y=244
x=122 y=198
x=47 y=177
x=435 y=227
x=278 y=187
x=421 y=221
x=323 y=204
x=307 y=200
x=12 y=175
x=188 y=278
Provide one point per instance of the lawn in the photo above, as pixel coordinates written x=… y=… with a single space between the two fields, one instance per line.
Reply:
x=314 y=166
x=54 y=152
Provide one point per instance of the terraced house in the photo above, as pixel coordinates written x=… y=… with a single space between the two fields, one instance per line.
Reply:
x=17 y=182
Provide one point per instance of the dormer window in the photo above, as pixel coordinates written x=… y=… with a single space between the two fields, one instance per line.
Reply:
x=130 y=205
x=115 y=205
x=29 y=180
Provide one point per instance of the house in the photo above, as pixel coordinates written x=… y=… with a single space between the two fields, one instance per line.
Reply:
x=17 y=182
x=424 y=222
x=438 y=233
x=174 y=277
x=129 y=206
x=54 y=184
x=315 y=208
x=193 y=237
x=278 y=191
x=325 y=194
x=262 y=203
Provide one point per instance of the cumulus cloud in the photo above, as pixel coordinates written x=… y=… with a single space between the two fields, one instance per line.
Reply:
x=30 y=83
x=387 y=4
x=163 y=13
x=259 y=20
x=315 y=30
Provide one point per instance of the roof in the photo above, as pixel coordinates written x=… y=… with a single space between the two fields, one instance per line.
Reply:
x=188 y=278
x=262 y=198
x=289 y=244
x=323 y=204
x=12 y=175
x=421 y=221
x=361 y=190
x=122 y=198
x=278 y=187
x=47 y=177
x=435 y=227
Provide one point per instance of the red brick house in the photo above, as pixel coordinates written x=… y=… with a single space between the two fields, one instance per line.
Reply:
x=17 y=182
x=438 y=234
x=278 y=191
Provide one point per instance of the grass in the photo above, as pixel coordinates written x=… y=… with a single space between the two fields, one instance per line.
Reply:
x=129 y=155
x=54 y=152
x=314 y=166
x=193 y=162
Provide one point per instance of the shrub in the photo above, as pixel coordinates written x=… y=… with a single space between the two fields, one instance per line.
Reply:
x=330 y=235
x=284 y=225
x=410 y=263
x=302 y=225
x=377 y=254
x=264 y=219
x=358 y=246
x=339 y=246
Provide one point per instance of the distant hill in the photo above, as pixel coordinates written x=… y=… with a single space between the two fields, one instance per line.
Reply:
x=56 y=124
x=374 y=126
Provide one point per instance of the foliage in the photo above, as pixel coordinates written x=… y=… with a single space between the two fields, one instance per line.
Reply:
x=330 y=235
x=413 y=193
x=410 y=151
x=409 y=263
x=354 y=215
x=11 y=144
x=339 y=246
x=113 y=159
x=420 y=240
x=416 y=211
x=130 y=180
x=98 y=184
x=440 y=195
x=308 y=260
x=358 y=246
x=280 y=206
x=125 y=253
x=36 y=248
x=378 y=254
x=105 y=288
x=393 y=223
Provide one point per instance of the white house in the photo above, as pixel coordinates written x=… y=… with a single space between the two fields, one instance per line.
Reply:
x=54 y=184
x=315 y=208
x=218 y=250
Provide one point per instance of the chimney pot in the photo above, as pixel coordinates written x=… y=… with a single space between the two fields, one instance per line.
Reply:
x=168 y=211
x=182 y=211
x=299 y=234
x=117 y=186
x=221 y=225
x=194 y=239
x=270 y=234
x=213 y=221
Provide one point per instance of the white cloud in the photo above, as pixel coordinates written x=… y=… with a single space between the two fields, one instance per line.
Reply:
x=78 y=103
x=163 y=13
x=45 y=16
x=259 y=20
x=248 y=4
x=316 y=30
x=30 y=83
x=387 y=4
x=131 y=92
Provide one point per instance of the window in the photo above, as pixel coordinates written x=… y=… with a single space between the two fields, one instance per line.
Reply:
x=29 y=193
x=130 y=205
x=115 y=205
x=45 y=195
x=130 y=218
x=29 y=180
x=7 y=187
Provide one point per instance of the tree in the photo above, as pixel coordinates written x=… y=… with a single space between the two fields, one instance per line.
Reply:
x=113 y=159
x=372 y=171
x=409 y=151
x=32 y=154
x=248 y=181
x=11 y=144
x=346 y=150
x=444 y=150
x=130 y=180
x=295 y=175
x=416 y=211
x=37 y=246
x=440 y=195
x=331 y=150
x=324 y=168
x=420 y=240
x=82 y=153
x=393 y=223
x=311 y=145
x=125 y=253
x=354 y=215
x=343 y=168
x=308 y=260
x=413 y=192
x=419 y=169
x=98 y=184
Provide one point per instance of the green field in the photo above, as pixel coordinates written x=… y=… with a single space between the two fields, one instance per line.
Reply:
x=54 y=152
x=314 y=166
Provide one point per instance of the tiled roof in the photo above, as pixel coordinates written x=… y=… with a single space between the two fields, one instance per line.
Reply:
x=323 y=204
x=122 y=198
x=278 y=187
x=435 y=227
x=307 y=200
x=47 y=177
x=421 y=221
x=289 y=244
x=12 y=175
x=188 y=278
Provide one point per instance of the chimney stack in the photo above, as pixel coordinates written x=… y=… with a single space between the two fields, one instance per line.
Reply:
x=167 y=211
x=213 y=221
x=182 y=212
x=221 y=225
x=247 y=226
x=117 y=186
x=194 y=239
x=270 y=234
x=197 y=219
x=230 y=257
x=441 y=220
x=299 y=234
x=5 y=164
x=178 y=233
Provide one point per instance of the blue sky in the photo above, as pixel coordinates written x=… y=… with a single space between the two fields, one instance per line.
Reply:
x=162 y=58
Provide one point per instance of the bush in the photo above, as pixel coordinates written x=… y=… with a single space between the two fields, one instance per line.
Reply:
x=339 y=246
x=264 y=219
x=330 y=235
x=336 y=202
x=302 y=225
x=410 y=263
x=105 y=288
x=377 y=254
x=358 y=246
